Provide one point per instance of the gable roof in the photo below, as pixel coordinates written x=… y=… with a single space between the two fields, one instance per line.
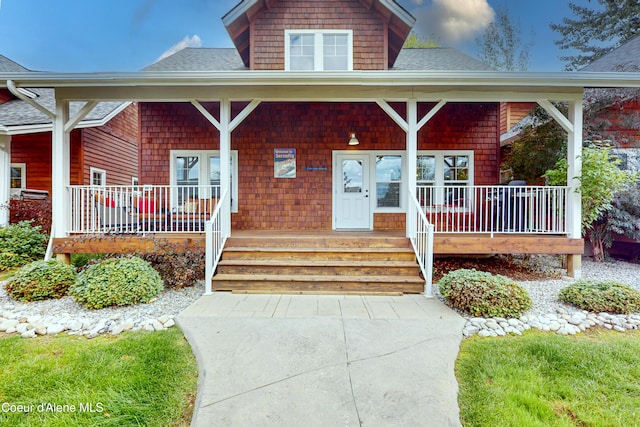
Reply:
x=228 y=59
x=17 y=116
x=624 y=58
x=8 y=66
x=238 y=24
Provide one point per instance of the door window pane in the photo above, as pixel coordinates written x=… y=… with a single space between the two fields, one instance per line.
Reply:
x=352 y=176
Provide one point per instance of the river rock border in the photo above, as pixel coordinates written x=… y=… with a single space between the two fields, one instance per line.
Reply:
x=562 y=323
x=55 y=316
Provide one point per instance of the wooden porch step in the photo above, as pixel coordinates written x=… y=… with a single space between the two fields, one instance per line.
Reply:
x=360 y=240
x=324 y=283
x=304 y=262
x=317 y=267
x=335 y=254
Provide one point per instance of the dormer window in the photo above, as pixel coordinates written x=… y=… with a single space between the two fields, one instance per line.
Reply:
x=318 y=50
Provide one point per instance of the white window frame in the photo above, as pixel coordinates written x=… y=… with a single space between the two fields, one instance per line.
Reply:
x=203 y=173
x=318 y=56
x=440 y=182
x=103 y=176
x=23 y=178
x=403 y=180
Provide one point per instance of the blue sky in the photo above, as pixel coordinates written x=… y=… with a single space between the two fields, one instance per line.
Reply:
x=127 y=35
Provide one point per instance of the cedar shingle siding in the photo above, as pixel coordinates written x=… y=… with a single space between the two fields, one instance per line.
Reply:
x=369 y=43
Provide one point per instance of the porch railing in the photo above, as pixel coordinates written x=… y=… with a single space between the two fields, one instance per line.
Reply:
x=495 y=209
x=142 y=209
x=215 y=238
x=421 y=236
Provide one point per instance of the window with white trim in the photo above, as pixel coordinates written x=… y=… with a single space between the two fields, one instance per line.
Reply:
x=198 y=171
x=98 y=177
x=442 y=169
x=388 y=180
x=318 y=50
x=18 y=177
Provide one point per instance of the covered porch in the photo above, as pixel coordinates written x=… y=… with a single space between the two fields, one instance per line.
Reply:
x=499 y=219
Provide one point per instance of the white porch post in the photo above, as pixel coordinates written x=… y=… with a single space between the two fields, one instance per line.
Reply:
x=5 y=178
x=574 y=171
x=225 y=161
x=60 y=165
x=412 y=157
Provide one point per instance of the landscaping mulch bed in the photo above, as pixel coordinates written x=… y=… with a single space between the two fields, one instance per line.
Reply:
x=516 y=268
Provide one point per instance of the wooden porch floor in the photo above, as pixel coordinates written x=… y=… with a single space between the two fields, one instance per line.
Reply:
x=444 y=244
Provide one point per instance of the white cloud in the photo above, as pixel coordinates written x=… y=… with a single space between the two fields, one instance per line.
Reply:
x=453 y=21
x=193 y=41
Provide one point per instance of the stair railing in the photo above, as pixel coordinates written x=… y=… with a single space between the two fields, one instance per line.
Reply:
x=215 y=238
x=421 y=237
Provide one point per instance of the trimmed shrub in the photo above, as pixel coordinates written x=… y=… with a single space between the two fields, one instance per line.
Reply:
x=609 y=296
x=9 y=260
x=38 y=212
x=482 y=294
x=41 y=280
x=24 y=240
x=179 y=264
x=116 y=281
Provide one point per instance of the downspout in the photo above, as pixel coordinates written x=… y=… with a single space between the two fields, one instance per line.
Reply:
x=16 y=92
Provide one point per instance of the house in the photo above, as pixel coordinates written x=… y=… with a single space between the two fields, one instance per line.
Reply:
x=319 y=145
x=26 y=134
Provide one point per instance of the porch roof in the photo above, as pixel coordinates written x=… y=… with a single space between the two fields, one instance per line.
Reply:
x=488 y=86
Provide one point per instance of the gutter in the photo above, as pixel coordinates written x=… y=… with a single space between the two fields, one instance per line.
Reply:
x=337 y=78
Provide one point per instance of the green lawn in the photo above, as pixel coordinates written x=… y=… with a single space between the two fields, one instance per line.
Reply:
x=138 y=378
x=542 y=379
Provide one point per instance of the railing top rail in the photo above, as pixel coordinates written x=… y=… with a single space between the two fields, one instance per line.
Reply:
x=416 y=204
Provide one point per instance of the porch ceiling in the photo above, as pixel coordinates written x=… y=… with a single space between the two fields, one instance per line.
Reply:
x=313 y=86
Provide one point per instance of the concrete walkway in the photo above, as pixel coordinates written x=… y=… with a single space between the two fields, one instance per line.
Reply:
x=307 y=360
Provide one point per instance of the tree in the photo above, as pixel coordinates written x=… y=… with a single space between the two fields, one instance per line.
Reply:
x=501 y=44
x=601 y=180
x=414 y=41
x=542 y=143
x=595 y=32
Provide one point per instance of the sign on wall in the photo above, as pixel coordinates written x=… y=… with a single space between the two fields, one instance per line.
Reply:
x=284 y=162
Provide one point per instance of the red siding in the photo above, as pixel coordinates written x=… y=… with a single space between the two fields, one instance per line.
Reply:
x=314 y=130
x=113 y=147
x=369 y=42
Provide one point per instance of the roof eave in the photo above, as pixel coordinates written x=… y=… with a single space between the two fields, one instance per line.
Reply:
x=292 y=78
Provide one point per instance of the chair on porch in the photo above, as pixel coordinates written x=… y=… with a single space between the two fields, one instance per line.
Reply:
x=113 y=214
x=148 y=214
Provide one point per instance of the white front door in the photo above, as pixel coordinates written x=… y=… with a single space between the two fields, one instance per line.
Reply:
x=352 y=204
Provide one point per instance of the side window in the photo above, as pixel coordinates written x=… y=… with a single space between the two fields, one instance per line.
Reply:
x=442 y=177
x=388 y=180
x=196 y=175
x=98 y=177
x=18 y=177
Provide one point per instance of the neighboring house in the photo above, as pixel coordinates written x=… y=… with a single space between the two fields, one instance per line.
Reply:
x=319 y=144
x=26 y=134
x=611 y=116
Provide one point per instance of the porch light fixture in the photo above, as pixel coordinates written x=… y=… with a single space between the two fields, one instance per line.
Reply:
x=353 y=140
